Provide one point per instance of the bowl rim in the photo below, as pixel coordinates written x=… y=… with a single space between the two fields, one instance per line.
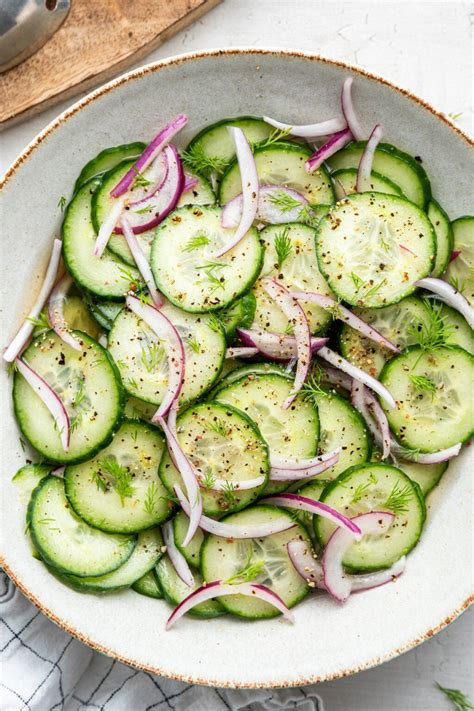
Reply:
x=56 y=123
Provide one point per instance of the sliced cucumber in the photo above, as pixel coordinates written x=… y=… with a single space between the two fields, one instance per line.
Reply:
x=136 y=409
x=431 y=389
x=142 y=362
x=144 y=558
x=200 y=194
x=106 y=277
x=222 y=444
x=240 y=314
x=90 y=389
x=375 y=487
x=444 y=237
x=297 y=272
x=184 y=265
x=249 y=370
x=397 y=166
x=119 y=491
x=427 y=476
x=281 y=163
x=148 y=585
x=27 y=479
x=460 y=272
x=223 y=558
x=65 y=541
x=312 y=490
x=175 y=590
x=345 y=181
x=192 y=552
x=106 y=160
x=77 y=316
x=105 y=312
x=362 y=248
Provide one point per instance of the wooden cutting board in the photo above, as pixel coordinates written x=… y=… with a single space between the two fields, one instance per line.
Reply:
x=99 y=39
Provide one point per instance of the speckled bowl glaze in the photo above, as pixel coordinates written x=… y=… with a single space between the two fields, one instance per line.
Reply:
x=327 y=640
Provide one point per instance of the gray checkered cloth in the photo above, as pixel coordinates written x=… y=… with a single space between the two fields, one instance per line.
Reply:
x=43 y=669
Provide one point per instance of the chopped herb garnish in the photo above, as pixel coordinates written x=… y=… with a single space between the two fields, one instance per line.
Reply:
x=218 y=427
x=460 y=701
x=62 y=203
x=433 y=332
x=283 y=246
x=196 y=242
x=197 y=159
x=152 y=355
x=151 y=498
x=423 y=382
x=399 y=498
x=251 y=570
x=358 y=282
x=121 y=477
x=228 y=492
x=276 y=135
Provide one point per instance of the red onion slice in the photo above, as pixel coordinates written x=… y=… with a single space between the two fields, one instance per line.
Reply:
x=343 y=314
x=164 y=136
x=443 y=455
x=177 y=559
x=141 y=262
x=222 y=484
x=56 y=314
x=50 y=400
x=241 y=352
x=310 y=130
x=287 y=470
x=368 y=581
x=209 y=591
x=297 y=318
x=335 y=377
x=364 y=402
x=250 y=188
x=59 y=472
x=173 y=344
x=18 y=343
x=156 y=174
x=267 y=209
x=454 y=255
x=337 y=583
x=365 y=165
x=335 y=143
x=108 y=226
x=339 y=362
x=303 y=503
x=349 y=111
x=276 y=346
x=189 y=183
x=230 y=530
x=449 y=295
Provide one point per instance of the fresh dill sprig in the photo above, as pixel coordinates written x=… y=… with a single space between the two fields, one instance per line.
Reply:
x=423 y=382
x=219 y=427
x=152 y=355
x=144 y=210
x=228 y=492
x=283 y=246
x=194 y=344
x=460 y=701
x=22 y=444
x=62 y=203
x=197 y=159
x=284 y=201
x=170 y=499
x=215 y=323
x=151 y=498
x=433 y=332
x=456 y=284
x=209 y=268
x=139 y=180
x=208 y=480
x=127 y=274
x=361 y=489
x=251 y=570
x=277 y=134
x=308 y=216
x=455 y=116
x=374 y=289
x=41 y=321
x=312 y=389
x=358 y=282
x=398 y=499
x=99 y=480
x=196 y=242
x=121 y=477
x=133 y=383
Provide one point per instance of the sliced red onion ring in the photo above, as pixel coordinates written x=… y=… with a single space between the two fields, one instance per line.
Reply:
x=189 y=183
x=339 y=362
x=443 y=455
x=108 y=226
x=343 y=314
x=335 y=143
x=209 y=591
x=332 y=376
x=454 y=255
x=276 y=346
x=368 y=581
x=47 y=395
x=56 y=314
x=230 y=530
x=303 y=503
x=222 y=484
x=297 y=317
x=336 y=582
x=17 y=344
x=141 y=261
x=349 y=111
x=59 y=472
x=310 y=130
x=167 y=333
x=164 y=136
x=177 y=559
x=449 y=295
x=288 y=470
x=267 y=209
x=365 y=165
x=239 y=352
x=156 y=175
x=362 y=400
x=250 y=188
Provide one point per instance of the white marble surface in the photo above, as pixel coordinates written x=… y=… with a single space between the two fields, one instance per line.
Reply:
x=423 y=46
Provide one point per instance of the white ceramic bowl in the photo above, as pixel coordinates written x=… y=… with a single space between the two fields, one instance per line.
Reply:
x=327 y=641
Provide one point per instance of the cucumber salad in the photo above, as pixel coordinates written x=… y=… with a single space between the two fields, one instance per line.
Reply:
x=249 y=363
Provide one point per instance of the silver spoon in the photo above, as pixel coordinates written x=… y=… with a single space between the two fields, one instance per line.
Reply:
x=25 y=25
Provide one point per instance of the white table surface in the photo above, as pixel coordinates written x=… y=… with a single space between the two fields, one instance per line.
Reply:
x=426 y=47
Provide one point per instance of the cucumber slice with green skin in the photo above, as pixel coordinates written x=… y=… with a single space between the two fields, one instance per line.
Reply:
x=106 y=160
x=359 y=248
x=460 y=271
x=223 y=558
x=375 y=487
x=249 y=370
x=148 y=585
x=89 y=386
x=192 y=552
x=65 y=541
x=201 y=194
x=427 y=476
x=222 y=443
x=281 y=163
x=107 y=277
x=119 y=490
x=136 y=409
x=142 y=361
x=345 y=183
x=77 y=316
x=105 y=312
x=240 y=314
x=175 y=590
x=144 y=558
x=403 y=324
x=435 y=412
x=297 y=272
x=392 y=163
x=27 y=479
x=444 y=237
x=184 y=265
